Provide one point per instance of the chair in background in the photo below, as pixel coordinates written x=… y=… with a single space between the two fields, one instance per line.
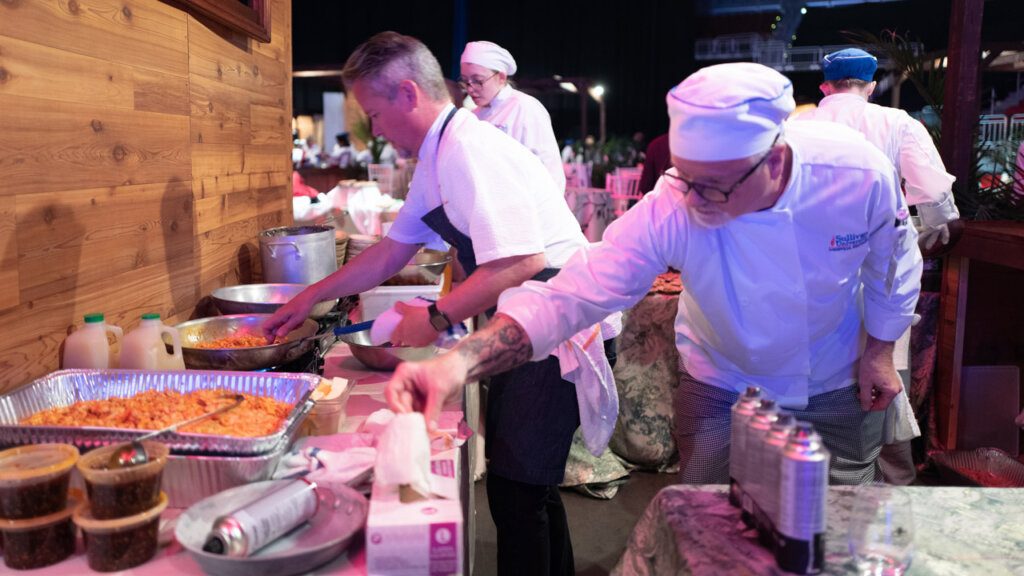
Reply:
x=625 y=189
x=384 y=175
x=577 y=174
x=1016 y=128
x=992 y=128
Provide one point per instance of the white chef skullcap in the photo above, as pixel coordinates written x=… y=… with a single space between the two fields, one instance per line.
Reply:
x=489 y=55
x=727 y=111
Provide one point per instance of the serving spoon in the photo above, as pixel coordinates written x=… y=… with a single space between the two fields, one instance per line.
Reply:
x=134 y=454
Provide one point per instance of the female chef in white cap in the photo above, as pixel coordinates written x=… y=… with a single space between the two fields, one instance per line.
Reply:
x=485 y=70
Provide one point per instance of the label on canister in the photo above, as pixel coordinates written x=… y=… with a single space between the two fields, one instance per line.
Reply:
x=253 y=526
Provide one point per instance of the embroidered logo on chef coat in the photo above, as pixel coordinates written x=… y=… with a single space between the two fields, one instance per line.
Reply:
x=842 y=242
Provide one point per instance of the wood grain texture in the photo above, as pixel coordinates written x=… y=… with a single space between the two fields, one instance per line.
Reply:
x=8 y=256
x=49 y=146
x=142 y=152
x=143 y=33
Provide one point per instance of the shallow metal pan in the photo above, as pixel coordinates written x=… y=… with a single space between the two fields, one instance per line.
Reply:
x=263 y=299
x=66 y=387
x=299 y=342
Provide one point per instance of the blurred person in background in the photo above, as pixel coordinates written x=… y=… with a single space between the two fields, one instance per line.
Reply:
x=486 y=69
x=849 y=83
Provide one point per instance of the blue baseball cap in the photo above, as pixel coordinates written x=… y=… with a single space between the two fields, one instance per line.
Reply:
x=849 y=63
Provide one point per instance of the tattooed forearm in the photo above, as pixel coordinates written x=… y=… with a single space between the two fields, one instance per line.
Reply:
x=499 y=347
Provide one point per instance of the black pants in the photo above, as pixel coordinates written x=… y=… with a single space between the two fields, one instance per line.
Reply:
x=533 y=532
x=532 y=415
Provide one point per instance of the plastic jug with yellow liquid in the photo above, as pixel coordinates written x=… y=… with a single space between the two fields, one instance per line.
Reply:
x=145 y=348
x=88 y=347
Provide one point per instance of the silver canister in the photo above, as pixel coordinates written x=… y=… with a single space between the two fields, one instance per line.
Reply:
x=803 y=491
x=756 y=429
x=771 y=464
x=742 y=411
x=258 y=523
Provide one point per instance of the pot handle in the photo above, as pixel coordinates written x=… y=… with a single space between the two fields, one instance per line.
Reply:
x=273 y=250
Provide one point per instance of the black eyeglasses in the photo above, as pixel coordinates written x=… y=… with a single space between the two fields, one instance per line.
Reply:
x=710 y=193
x=465 y=83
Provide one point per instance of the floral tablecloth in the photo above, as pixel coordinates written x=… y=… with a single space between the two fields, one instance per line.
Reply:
x=958 y=531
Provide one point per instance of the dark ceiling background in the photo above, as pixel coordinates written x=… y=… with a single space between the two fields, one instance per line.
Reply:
x=637 y=50
x=637 y=54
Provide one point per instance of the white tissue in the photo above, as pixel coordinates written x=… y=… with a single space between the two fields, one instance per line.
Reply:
x=403 y=454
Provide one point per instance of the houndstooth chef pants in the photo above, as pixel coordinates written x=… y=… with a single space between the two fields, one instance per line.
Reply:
x=702 y=428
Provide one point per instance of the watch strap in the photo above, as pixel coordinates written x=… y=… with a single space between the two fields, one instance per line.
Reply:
x=438 y=319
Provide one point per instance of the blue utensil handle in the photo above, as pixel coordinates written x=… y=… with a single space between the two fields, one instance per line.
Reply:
x=339 y=330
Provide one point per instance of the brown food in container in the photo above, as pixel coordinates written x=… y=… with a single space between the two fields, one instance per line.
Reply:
x=120 y=492
x=38 y=542
x=34 y=479
x=121 y=543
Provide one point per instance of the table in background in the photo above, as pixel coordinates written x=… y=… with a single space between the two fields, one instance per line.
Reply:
x=693 y=530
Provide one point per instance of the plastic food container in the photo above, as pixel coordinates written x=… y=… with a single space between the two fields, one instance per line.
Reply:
x=328 y=413
x=34 y=480
x=121 y=492
x=121 y=543
x=37 y=542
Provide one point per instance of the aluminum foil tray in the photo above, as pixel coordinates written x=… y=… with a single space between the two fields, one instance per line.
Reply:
x=989 y=467
x=66 y=387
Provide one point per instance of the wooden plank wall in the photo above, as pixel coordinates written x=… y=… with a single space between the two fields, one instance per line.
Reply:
x=141 y=152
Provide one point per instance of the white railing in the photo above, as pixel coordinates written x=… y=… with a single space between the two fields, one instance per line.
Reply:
x=773 y=53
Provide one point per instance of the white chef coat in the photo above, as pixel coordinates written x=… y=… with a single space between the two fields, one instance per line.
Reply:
x=493 y=190
x=771 y=298
x=524 y=118
x=904 y=141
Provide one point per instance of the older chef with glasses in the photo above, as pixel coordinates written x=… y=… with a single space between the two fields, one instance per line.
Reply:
x=485 y=72
x=793 y=241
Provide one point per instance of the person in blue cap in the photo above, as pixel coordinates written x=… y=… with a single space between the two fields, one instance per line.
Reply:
x=849 y=83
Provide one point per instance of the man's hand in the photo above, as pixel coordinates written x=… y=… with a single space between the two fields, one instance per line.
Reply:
x=289 y=316
x=415 y=328
x=927 y=237
x=1019 y=421
x=426 y=386
x=878 y=381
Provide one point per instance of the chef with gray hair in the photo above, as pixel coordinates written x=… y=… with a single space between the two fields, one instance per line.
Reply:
x=486 y=69
x=792 y=239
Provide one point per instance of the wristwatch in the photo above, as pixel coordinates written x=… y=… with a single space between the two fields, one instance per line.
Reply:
x=439 y=320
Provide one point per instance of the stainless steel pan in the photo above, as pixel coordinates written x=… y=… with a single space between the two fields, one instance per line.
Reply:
x=263 y=299
x=299 y=342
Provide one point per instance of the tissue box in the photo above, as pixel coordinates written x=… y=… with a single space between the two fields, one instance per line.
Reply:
x=417 y=538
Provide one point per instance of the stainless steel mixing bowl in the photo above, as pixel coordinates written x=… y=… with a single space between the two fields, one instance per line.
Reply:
x=385 y=357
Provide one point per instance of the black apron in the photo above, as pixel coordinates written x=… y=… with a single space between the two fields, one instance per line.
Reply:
x=532 y=413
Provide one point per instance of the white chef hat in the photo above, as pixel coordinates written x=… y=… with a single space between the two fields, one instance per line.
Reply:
x=727 y=111
x=489 y=55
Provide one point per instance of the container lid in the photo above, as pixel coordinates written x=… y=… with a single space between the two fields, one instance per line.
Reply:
x=86 y=521
x=151 y=316
x=36 y=462
x=75 y=499
x=93 y=318
x=94 y=464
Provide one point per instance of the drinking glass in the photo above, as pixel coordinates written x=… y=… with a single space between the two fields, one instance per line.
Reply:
x=881 y=530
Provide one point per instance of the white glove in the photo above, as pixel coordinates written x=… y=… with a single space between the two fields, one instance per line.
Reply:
x=927 y=237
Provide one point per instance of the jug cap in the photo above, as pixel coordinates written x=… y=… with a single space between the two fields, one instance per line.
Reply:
x=93 y=318
x=151 y=316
